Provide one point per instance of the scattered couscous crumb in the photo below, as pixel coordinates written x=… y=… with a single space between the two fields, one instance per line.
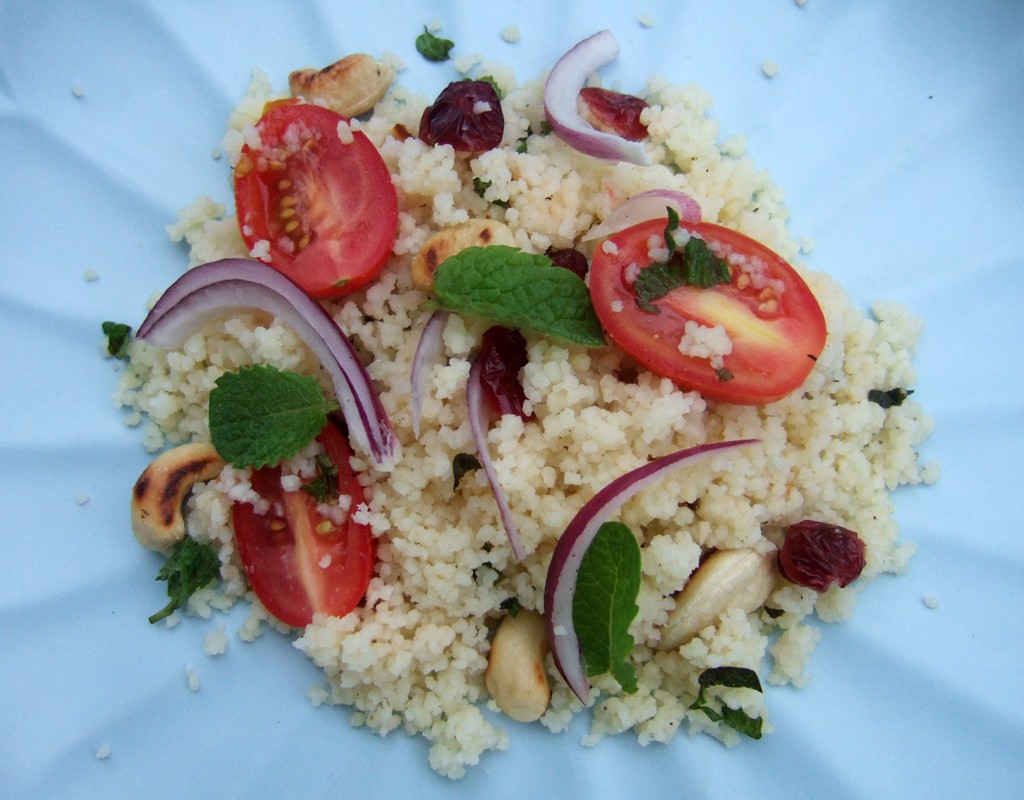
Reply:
x=647 y=20
x=192 y=678
x=434 y=25
x=510 y=33
x=90 y=275
x=930 y=602
x=82 y=498
x=216 y=154
x=770 y=69
x=103 y=752
x=420 y=641
x=801 y=2
x=215 y=642
x=78 y=91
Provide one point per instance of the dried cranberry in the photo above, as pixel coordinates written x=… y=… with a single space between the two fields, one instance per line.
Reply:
x=570 y=259
x=502 y=355
x=816 y=553
x=615 y=112
x=467 y=115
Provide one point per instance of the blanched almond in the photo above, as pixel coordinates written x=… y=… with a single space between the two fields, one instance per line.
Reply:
x=726 y=579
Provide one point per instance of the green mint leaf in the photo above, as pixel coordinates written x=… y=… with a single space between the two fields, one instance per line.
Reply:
x=890 y=398
x=324 y=486
x=189 y=568
x=261 y=415
x=703 y=268
x=519 y=290
x=670 y=228
x=731 y=678
x=604 y=605
x=489 y=79
x=511 y=605
x=463 y=463
x=433 y=48
x=118 y=336
x=696 y=265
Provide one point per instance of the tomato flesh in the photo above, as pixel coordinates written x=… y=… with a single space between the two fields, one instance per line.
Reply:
x=326 y=209
x=773 y=321
x=297 y=561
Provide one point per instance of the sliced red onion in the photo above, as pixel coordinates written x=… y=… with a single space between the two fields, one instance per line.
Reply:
x=562 y=88
x=642 y=207
x=236 y=284
x=560 y=586
x=428 y=350
x=477 y=416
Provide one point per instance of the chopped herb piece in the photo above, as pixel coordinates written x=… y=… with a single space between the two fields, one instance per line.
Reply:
x=433 y=48
x=518 y=290
x=261 y=415
x=890 y=398
x=324 y=486
x=605 y=603
x=730 y=678
x=522 y=144
x=696 y=265
x=118 y=336
x=480 y=186
x=545 y=127
x=724 y=374
x=489 y=79
x=188 y=569
x=670 y=228
x=774 y=613
x=511 y=605
x=463 y=463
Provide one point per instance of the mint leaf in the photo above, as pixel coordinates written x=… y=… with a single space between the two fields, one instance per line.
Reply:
x=261 y=415
x=463 y=463
x=696 y=265
x=324 y=486
x=433 y=48
x=118 y=336
x=519 y=290
x=605 y=603
x=731 y=678
x=671 y=227
x=189 y=568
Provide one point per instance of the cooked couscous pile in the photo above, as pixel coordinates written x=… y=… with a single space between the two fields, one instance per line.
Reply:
x=412 y=656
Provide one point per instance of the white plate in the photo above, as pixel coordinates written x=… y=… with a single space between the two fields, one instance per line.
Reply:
x=895 y=129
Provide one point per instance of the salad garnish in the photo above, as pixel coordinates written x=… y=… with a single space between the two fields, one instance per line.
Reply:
x=190 y=566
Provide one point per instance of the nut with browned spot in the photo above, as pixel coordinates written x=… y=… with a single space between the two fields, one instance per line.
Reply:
x=157 y=518
x=350 y=87
x=741 y=578
x=515 y=674
x=449 y=241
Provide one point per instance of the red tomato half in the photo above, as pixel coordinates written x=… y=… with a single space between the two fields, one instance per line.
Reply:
x=296 y=561
x=327 y=209
x=777 y=331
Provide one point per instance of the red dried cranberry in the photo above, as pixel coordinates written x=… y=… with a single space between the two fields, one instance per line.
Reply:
x=467 y=115
x=816 y=553
x=502 y=355
x=615 y=112
x=570 y=259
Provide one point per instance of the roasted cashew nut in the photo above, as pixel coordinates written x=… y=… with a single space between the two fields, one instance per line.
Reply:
x=157 y=518
x=349 y=87
x=515 y=674
x=741 y=578
x=449 y=241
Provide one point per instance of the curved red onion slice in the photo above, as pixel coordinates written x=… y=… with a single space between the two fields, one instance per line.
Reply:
x=560 y=586
x=642 y=207
x=428 y=350
x=234 y=284
x=562 y=88
x=477 y=415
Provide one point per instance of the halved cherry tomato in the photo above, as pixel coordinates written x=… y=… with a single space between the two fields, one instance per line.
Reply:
x=327 y=208
x=774 y=322
x=298 y=562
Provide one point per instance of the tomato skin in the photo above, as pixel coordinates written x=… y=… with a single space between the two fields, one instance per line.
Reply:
x=774 y=346
x=337 y=198
x=284 y=554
